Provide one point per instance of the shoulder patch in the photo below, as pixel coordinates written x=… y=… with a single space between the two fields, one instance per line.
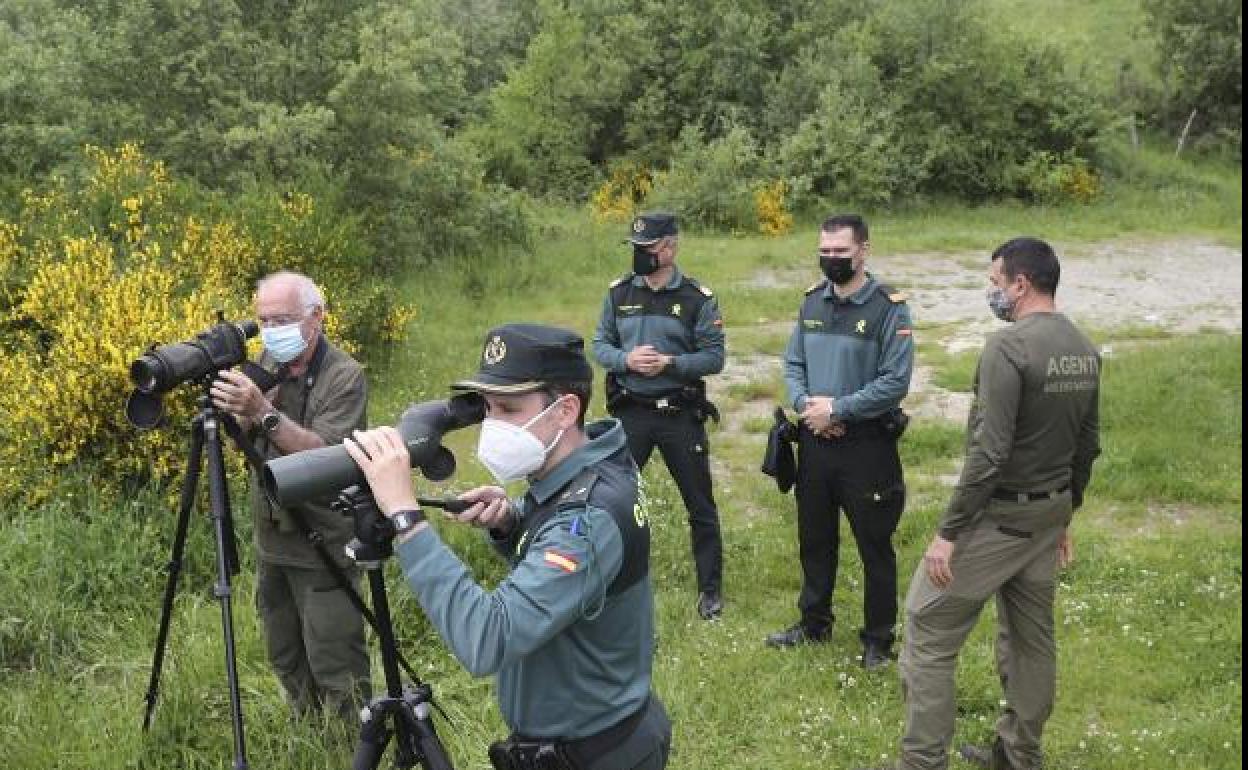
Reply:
x=706 y=290
x=898 y=297
x=815 y=286
x=620 y=280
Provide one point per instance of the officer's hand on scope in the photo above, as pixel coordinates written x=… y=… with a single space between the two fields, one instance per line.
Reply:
x=234 y=392
x=490 y=510
x=382 y=455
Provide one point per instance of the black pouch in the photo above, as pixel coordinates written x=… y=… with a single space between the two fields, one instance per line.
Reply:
x=693 y=397
x=528 y=755
x=778 y=460
x=894 y=422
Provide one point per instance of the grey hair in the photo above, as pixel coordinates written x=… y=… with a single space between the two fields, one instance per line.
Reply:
x=309 y=295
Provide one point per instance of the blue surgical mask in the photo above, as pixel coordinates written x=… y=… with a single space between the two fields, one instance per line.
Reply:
x=284 y=343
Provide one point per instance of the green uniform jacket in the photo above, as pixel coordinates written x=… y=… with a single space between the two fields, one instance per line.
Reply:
x=572 y=657
x=680 y=319
x=330 y=400
x=859 y=350
x=1034 y=423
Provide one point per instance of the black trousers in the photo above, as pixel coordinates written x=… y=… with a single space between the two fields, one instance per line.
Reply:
x=681 y=439
x=861 y=475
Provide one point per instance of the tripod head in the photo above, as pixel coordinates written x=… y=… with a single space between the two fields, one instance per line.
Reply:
x=374 y=534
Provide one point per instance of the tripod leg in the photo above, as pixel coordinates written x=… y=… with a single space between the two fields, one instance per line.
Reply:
x=187 y=501
x=218 y=494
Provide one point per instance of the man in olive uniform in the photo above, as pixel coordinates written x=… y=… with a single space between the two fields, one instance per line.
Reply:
x=570 y=630
x=847 y=368
x=660 y=333
x=1032 y=438
x=314 y=634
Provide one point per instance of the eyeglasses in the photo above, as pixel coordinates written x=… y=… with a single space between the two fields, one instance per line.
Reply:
x=284 y=319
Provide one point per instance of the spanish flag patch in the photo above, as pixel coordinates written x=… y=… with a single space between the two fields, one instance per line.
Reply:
x=561 y=560
x=903 y=332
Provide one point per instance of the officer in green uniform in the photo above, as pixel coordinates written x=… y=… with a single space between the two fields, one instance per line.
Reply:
x=1032 y=438
x=659 y=334
x=847 y=368
x=570 y=630
x=314 y=634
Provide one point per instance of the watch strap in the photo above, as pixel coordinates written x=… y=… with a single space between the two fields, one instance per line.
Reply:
x=405 y=520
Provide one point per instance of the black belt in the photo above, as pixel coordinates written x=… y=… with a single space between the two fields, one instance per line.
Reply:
x=541 y=754
x=1027 y=497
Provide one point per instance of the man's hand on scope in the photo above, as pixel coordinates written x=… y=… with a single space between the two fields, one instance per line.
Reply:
x=382 y=456
x=235 y=393
x=490 y=509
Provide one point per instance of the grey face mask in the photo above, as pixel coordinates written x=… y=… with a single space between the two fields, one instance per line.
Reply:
x=1002 y=306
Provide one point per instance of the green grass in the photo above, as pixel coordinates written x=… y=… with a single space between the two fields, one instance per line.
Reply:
x=1149 y=616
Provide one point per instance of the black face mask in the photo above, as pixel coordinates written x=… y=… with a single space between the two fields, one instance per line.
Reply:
x=644 y=263
x=839 y=270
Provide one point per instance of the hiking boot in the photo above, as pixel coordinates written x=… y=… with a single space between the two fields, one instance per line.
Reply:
x=990 y=757
x=797 y=634
x=710 y=605
x=875 y=656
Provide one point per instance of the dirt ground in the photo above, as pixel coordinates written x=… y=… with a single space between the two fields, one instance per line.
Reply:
x=1181 y=286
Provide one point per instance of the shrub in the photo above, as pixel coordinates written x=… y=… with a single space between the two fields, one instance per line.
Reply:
x=712 y=183
x=95 y=270
x=1048 y=177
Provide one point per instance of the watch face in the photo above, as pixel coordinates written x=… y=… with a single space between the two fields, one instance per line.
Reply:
x=271 y=420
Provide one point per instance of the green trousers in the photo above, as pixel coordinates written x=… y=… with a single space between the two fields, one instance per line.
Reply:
x=1010 y=554
x=315 y=638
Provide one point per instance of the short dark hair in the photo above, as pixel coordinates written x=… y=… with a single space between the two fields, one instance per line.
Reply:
x=841 y=221
x=1033 y=258
x=582 y=390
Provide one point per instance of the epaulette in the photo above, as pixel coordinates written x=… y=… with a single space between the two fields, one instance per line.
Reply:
x=816 y=286
x=699 y=286
x=894 y=296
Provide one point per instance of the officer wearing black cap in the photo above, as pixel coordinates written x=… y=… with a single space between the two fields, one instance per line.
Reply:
x=570 y=630
x=660 y=333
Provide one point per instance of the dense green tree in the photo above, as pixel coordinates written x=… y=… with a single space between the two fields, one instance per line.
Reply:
x=40 y=97
x=1202 y=59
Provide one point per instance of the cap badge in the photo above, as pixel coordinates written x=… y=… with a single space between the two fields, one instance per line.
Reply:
x=639 y=225
x=495 y=351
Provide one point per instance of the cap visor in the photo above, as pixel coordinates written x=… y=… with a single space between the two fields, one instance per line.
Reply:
x=496 y=388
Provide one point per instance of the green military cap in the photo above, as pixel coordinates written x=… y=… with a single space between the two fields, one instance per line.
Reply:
x=521 y=358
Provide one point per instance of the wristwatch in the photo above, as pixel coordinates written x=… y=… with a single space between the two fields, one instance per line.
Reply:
x=405 y=521
x=270 y=420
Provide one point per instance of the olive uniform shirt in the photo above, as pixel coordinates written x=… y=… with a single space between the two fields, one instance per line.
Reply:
x=329 y=399
x=1034 y=423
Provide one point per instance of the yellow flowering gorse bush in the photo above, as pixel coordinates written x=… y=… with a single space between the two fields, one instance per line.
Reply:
x=770 y=205
x=82 y=295
x=617 y=199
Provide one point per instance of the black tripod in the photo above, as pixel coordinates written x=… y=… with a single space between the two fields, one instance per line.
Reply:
x=409 y=706
x=205 y=429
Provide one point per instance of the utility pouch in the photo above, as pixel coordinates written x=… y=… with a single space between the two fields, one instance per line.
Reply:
x=894 y=422
x=528 y=755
